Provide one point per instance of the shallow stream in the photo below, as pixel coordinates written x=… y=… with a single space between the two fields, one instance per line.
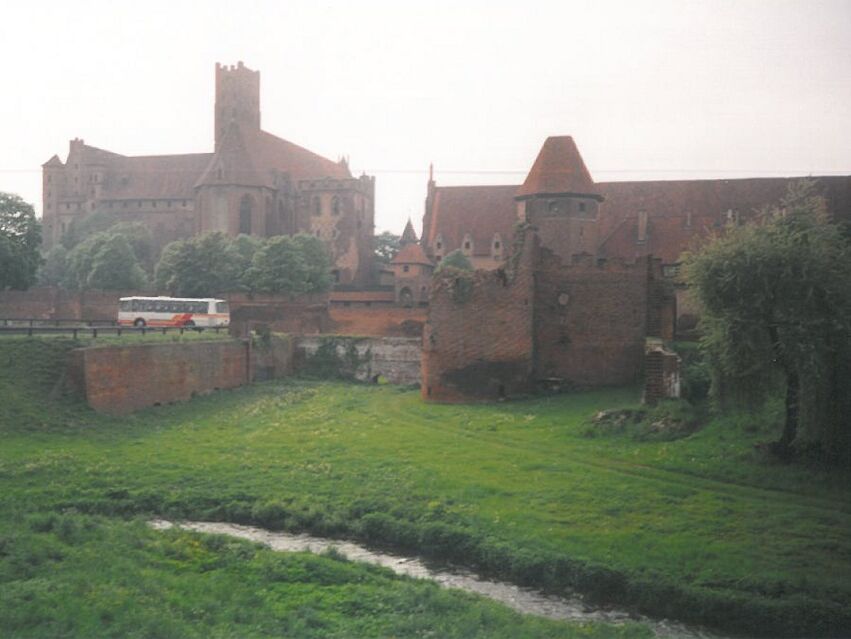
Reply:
x=525 y=600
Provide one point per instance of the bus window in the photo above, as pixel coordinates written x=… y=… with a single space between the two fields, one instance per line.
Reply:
x=125 y=305
x=222 y=307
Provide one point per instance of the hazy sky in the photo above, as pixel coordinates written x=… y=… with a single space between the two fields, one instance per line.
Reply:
x=649 y=90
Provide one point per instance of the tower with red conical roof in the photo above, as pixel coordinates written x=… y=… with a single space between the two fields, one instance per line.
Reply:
x=560 y=199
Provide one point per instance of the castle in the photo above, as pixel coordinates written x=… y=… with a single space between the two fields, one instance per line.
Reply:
x=253 y=182
x=574 y=276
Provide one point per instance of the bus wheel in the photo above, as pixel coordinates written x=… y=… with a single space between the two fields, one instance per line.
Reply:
x=139 y=323
x=189 y=324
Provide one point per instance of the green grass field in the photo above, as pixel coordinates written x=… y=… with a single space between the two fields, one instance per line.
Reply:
x=702 y=528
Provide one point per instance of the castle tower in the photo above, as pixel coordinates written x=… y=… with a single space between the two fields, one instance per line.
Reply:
x=560 y=199
x=237 y=98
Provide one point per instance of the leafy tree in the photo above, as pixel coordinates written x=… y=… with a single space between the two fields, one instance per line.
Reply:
x=278 y=267
x=20 y=239
x=81 y=229
x=298 y=264
x=139 y=235
x=55 y=267
x=455 y=259
x=141 y=241
x=241 y=252
x=385 y=246
x=104 y=260
x=114 y=266
x=199 y=267
x=317 y=276
x=776 y=298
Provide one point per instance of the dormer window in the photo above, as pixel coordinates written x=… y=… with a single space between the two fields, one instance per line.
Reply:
x=467 y=244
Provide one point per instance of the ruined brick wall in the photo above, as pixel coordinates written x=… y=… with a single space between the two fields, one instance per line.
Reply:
x=477 y=341
x=396 y=359
x=590 y=320
x=120 y=379
x=661 y=372
x=386 y=321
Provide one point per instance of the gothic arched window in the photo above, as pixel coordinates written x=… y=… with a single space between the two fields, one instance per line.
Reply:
x=317 y=206
x=335 y=206
x=245 y=205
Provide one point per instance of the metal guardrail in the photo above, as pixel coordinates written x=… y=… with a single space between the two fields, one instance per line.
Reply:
x=94 y=331
x=36 y=321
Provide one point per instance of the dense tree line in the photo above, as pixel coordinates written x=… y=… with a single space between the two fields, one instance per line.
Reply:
x=100 y=252
x=211 y=263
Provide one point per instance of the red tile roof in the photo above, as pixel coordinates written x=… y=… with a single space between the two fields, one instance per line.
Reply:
x=153 y=176
x=411 y=254
x=484 y=210
x=480 y=211
x=559 y=168
x=669 y=203
x=250 y=157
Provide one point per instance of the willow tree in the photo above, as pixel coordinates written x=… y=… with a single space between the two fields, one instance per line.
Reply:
x=776 y=305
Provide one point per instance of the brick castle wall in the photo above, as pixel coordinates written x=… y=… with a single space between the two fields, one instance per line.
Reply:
x=387 y=321
x=581 y=324
x=590 y=320
x=477 y=341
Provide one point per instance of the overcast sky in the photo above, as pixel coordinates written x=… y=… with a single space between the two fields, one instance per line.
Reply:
x=649 y=90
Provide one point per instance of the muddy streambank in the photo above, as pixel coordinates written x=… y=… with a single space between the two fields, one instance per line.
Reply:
x=524 y=600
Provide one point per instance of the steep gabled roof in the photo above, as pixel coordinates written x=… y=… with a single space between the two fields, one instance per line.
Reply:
x=94 y=155
x=408 y=235
x=54 y=161
x=481 y=211
x=411 y=254
x=154 y=176
x=250 y=157
x=558 y=169
x=286 y=157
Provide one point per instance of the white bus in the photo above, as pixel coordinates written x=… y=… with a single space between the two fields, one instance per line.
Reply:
x=173 y=311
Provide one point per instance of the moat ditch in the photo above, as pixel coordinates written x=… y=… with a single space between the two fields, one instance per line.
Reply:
x=524 y=600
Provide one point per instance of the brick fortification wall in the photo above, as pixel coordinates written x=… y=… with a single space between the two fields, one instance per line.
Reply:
x=298 y=315
x=590 y=320
x=387 y=321
x=581 y=324
x=121 y=379
x=478 y=341
x=55 y=303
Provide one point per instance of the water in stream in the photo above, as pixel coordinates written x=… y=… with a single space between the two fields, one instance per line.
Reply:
x=523 y=600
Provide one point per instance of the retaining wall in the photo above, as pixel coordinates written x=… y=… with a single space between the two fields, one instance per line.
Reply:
x=120 y=379
x=396 y=359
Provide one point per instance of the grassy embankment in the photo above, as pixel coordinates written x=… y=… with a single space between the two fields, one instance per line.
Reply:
x=702 y=528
